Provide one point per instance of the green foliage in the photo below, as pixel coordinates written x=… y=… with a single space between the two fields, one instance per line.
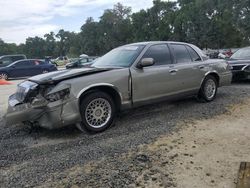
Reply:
x=206 y=23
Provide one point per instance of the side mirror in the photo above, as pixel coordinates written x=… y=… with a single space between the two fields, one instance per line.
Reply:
x=13 y=66
x=146 y=62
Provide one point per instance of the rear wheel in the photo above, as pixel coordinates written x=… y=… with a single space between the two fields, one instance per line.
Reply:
x=98 y=112
x=3 y=76
x=208 y=89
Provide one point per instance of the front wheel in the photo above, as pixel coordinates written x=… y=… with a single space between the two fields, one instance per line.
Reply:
x=208 y=89
x=45 y=71
x=98 y=112
x=3 y=76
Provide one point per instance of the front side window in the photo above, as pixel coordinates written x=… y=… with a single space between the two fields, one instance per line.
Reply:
x=22 y=64
x=160 y=53
x=181 y=53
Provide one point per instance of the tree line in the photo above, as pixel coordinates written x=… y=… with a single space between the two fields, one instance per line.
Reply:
x=206 y=23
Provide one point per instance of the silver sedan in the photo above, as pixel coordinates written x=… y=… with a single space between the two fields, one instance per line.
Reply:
x=126 y=77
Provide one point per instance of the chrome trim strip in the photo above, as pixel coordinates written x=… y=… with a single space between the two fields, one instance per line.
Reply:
x=96 y=85
x=209 y=72
x=245 y=67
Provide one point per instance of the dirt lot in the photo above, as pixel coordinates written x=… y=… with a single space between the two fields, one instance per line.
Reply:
x=178 y=144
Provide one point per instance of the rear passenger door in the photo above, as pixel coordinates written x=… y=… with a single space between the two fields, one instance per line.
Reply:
x=188 y=75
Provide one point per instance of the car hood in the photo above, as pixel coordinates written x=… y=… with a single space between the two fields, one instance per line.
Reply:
x=58 y=76
x=238 y=61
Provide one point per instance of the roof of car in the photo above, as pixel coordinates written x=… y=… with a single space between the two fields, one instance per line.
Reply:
x=247 y=47
x=155 y=42
x=12 y=55
x=31 y=60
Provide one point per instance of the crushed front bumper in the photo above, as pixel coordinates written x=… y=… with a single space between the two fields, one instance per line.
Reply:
x=48 y=115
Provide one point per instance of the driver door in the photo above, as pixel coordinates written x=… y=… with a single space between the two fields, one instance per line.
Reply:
x=20 y=69
x=154 y=82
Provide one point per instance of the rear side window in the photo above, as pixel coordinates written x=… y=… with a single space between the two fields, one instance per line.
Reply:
x=193 y=53
x=181 y=53
x=82 y=61
x=160 y=53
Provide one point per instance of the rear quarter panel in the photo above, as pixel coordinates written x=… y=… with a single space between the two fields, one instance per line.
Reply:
x=222 y=68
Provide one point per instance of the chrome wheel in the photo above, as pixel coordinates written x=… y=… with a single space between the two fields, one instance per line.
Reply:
x=98 y=112
x=210 y=89
x=3 y=76
x=45 y=71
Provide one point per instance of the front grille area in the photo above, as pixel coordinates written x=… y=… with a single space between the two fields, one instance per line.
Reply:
x=238 y=67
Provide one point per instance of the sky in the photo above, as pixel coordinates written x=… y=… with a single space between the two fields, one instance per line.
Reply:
x=20 y=19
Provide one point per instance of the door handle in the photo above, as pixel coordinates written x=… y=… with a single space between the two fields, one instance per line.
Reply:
x=201 y=67
x=173 y=71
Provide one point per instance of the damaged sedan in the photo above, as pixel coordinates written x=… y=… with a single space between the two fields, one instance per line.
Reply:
x=126 y=77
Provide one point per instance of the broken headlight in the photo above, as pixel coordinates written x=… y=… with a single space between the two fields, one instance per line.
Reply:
x=62 y=94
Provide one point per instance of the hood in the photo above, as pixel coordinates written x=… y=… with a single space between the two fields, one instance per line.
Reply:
x=58 y=76
x=238 y=61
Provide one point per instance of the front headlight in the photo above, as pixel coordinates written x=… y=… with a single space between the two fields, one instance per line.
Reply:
x=52 y=97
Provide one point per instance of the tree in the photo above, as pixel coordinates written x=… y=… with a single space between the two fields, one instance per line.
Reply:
x=35 y=47
x=205 y=23
x=61 y=47
x=155 y=23
x=50 y=44
x=115 y=27
x=89 y=37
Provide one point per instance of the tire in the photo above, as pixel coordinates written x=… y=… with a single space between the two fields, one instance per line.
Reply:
x=98 y=112
x=208 y=90
x=4 y=76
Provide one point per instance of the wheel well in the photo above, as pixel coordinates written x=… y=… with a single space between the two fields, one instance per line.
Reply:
x=107 y=89
x=216 y=77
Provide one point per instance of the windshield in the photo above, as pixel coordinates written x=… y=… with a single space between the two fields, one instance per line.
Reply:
x=120 y=57
x=243 y=53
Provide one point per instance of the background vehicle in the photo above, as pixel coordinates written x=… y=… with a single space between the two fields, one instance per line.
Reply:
x=240 y=63
x=126 y=77
x=60 y=61
x=26 y=68
x=8 y=59
x=81 y=62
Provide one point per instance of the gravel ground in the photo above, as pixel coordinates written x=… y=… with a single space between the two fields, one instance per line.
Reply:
x=45 y=158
